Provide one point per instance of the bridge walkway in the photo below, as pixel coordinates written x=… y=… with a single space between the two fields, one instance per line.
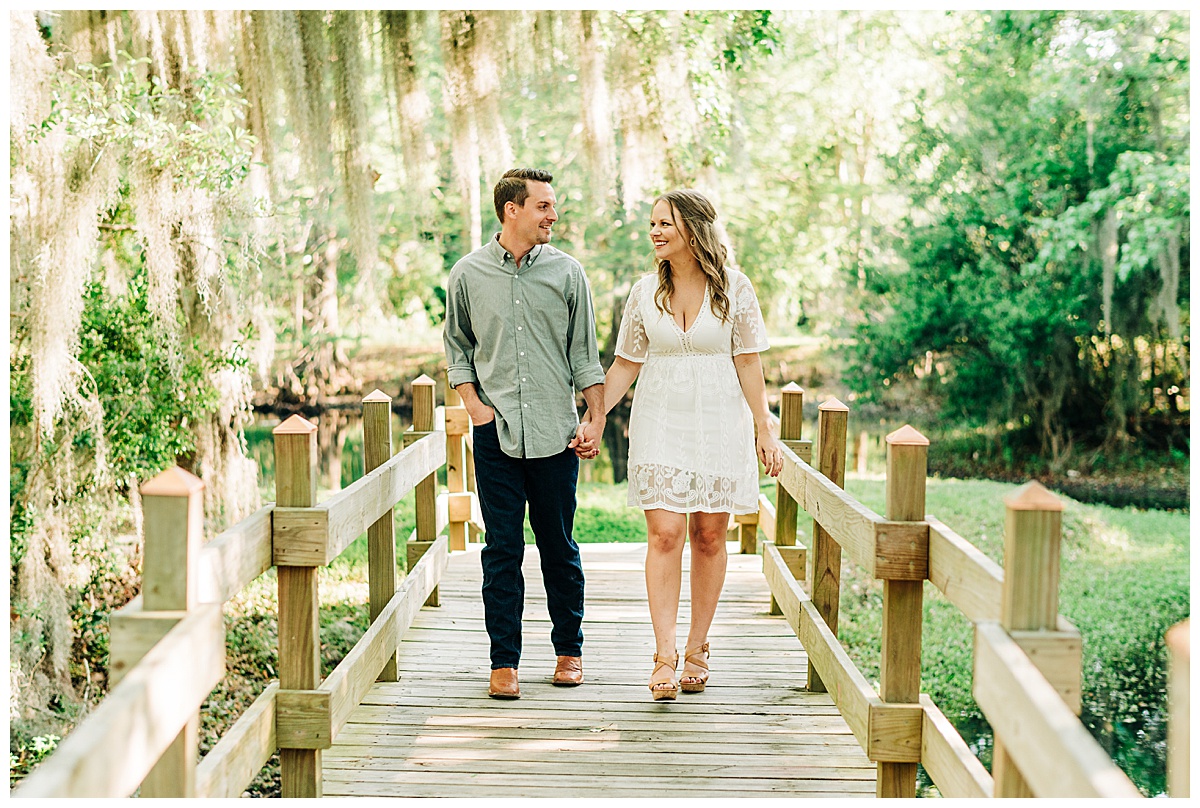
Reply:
x=754 y=732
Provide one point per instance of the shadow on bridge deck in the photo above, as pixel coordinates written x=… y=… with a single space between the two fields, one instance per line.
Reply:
x=754 y=732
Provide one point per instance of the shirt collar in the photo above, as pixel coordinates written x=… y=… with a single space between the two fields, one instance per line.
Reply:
x=503 y=256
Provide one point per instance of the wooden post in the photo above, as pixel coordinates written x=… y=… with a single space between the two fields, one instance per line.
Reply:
x=1179 y=702
x=173 y=509
x=473 y=533
x=825 y=564
x=1029 y=600
x=299 y=601
x=452 y=397
x=747 y=532
x=458 y=423
x=791 y=425
x=900 y=668
x=470 y=466
x=426 y=491
x=381 y=536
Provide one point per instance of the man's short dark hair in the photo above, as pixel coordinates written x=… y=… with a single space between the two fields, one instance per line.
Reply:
x=512 y=187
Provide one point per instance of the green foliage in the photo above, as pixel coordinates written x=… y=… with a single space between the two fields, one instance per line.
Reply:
x=119 y=108
x=1151 y=197
x=28 y=754
x=1144 y=476
x=149 y=368
x=752 y=33
x=147 y=412
x=1057 y=121
x=145 y=426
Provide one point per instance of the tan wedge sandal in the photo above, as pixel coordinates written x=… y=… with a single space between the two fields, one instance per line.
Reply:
x=697 y=660
x=664 y=687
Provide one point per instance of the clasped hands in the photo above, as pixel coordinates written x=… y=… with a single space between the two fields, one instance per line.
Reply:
x=586 y=442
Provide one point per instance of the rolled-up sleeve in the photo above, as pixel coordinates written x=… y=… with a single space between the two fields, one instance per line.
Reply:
x=582 y=351
x=458 y=337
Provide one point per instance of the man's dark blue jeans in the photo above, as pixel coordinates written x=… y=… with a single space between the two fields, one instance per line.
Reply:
x=504 y=485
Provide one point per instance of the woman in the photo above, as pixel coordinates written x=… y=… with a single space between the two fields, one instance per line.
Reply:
x=693 y=331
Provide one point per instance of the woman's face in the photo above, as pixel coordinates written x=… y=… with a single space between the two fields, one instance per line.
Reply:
x=668 y=238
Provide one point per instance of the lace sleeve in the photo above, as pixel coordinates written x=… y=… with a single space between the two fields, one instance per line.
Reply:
x=632 y=343
x=749 y=330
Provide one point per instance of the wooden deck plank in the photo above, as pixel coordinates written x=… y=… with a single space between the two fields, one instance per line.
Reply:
x=350 y=756
x=615 y=700
x=559 y=789
x=674 y=769
x=513 y=737
x=515 y=784
x=755 y=731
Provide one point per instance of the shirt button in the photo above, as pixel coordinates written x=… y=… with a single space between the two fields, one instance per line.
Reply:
x=522 y=353
x=517 y=302
x=526 y=406
x=519 y=328
x=522 y=378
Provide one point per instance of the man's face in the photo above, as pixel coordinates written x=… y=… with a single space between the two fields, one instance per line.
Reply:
x=532 y=221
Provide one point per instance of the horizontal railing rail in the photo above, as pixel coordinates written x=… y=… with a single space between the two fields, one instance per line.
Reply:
x=883 y=548
x=317 y=535
x=112 y=751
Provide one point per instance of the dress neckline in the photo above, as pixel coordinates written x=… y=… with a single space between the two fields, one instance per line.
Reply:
x=699 y=312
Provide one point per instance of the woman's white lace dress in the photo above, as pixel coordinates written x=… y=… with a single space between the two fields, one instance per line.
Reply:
x=691 y=433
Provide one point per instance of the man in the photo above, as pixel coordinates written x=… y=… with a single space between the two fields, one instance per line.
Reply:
x=520 y=339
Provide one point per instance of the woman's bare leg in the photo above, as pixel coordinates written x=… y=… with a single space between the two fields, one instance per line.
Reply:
x=709 y=561
x=664 y=573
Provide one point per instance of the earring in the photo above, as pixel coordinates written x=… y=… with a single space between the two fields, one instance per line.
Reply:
x=693 y=241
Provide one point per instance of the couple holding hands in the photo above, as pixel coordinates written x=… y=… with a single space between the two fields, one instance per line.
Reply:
x=520 y=339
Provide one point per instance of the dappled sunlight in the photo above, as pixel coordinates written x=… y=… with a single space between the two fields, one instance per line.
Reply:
x=343 y=590
x=1116 y=542
x=1109 y=536
x=485 y=748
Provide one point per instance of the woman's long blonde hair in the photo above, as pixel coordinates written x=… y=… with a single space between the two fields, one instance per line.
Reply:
x=697 y=214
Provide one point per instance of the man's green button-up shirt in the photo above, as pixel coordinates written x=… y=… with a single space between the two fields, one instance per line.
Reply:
x=526 y=337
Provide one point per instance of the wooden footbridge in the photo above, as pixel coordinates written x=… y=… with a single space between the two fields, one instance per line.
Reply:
x=435 y=731
x=405 y=713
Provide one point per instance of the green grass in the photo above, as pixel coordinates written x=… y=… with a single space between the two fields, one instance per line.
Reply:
x=601 y=515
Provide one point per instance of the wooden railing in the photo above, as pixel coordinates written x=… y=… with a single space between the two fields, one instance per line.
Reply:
x=1027 y=670
x=168 y=644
